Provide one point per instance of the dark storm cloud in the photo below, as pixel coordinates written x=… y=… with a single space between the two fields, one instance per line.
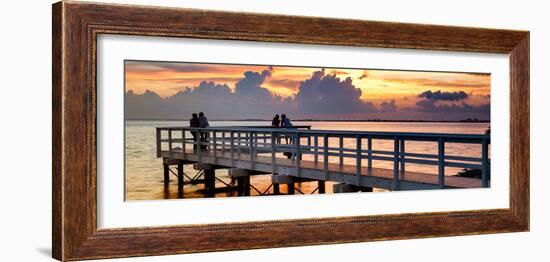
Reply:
x=450 y=105
x=430 y=106
x=443 y=96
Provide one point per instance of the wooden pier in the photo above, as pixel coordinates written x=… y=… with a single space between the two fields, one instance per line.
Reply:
x=291 y=155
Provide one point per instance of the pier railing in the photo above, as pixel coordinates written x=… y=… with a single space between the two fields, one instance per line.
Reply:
x=319 y=145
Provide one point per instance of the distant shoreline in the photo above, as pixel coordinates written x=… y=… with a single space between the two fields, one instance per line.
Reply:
x=328 y=120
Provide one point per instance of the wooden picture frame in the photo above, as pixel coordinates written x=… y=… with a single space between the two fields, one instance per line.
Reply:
x=76 y=26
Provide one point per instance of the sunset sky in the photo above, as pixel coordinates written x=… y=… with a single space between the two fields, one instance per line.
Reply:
x=305 y=91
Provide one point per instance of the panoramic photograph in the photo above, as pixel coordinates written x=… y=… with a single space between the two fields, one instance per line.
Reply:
x=203 y=130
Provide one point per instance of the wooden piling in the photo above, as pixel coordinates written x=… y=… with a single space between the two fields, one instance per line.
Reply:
x=276 y=189
x=166 y=169
x=321 y=186
x=210 y=182
x=290 y=188
x=180 y=176
x=243 y=186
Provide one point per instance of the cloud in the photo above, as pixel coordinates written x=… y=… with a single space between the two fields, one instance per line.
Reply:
x=364 y=75
x=443 y=96
x=431 y=106
x=285 y=83
x=388 y=106
x=321 y=95
x=329 y=94
x=141 y=67
x=462 y=83
x=251 y=85
x=450 y=106
x=338 y=72
x=218 y=101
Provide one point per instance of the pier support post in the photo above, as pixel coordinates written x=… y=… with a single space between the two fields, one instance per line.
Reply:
x=243 y=180
x=209 y=177
x=367 y=189
x=283 y=179
x=166 y=169
x=180 y=176
x=346 y=188
x=321 y=186
x=243 y=186
x=210 y=182
x=276 y=189
x=290 y=189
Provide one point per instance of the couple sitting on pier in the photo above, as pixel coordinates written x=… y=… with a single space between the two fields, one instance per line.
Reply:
x=201 y=121
x=283 y=122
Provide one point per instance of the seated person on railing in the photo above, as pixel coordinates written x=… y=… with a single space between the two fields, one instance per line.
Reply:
x=285 y=123
x=194 y=122
x=203 y=123
x=276 y=122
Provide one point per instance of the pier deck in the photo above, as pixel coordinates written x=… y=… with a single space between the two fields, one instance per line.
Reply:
x=370 y=177
x=265 y=151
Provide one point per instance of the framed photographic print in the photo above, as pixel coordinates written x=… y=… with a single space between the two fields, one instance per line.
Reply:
x=179 y=130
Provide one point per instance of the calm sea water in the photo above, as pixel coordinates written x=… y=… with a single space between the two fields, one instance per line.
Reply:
x=144 y=173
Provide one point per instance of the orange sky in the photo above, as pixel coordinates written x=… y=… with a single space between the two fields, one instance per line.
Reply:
x=166 y=79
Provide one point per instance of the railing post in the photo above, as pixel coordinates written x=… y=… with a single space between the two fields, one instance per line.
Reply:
x=273 y=152
x=183 y=143
x=238 y=144
x=358 y=160
x=341 y=150
x=223 y=142
x=298 y=153
x=251 y=148
x=325 y=155
x=369 y=145
x=316 y=150
x=199 y=145
x=484 y=163
x=402 y=155
x=214 y=146
x=232 y=147
x=170 y=141
x=441 y=162
x=395 y=181
x=159 y=145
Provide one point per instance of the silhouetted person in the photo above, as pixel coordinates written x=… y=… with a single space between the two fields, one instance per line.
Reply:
x=276 y=122
x=203 y=123
x=194 y=122
x=285 y=123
